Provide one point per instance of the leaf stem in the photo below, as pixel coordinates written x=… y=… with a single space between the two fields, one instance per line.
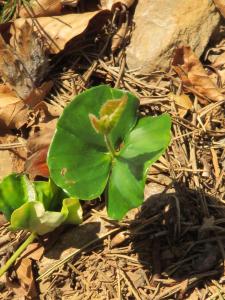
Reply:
x=17 y=253
x=109 y=145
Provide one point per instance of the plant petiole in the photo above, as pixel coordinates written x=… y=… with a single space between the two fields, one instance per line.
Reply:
x=17 y=253
x=109 y=145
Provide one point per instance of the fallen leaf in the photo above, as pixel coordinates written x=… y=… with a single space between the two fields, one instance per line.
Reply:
x=182 y=102
x=49 y=110
x=12 y=159
x=38 y=94
x=38 y=145
x=193 y=75
x=7 y=96
x=6 y=166
x=110 y=4
x=59 y=31
x=24 y=64
x=36 y=164
x=119 y=238
x=24 y=272
x=41 y=8
x=13 y=111
x=220 y=4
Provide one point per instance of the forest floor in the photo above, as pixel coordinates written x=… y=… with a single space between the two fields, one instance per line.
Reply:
x=170 y=248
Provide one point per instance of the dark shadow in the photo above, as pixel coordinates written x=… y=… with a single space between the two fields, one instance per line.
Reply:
x=71 y=238
x=179 y=235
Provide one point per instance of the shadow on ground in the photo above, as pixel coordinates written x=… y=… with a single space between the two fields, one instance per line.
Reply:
x=181 y=236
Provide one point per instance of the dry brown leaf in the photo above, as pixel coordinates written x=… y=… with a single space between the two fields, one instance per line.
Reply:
x=58 y=31
x=24 y=64
x=110 y=4
x=27 y=286
x=220 y=4
x=14 y=115
x=41 y=8
x=13 y=111
x=38 y=94
x=119 y=238
x=6 y=165
x=7 y=96
x=38 y=145
x=193 y=75
x=12 y=159
x=48 y=110
x=183 y=103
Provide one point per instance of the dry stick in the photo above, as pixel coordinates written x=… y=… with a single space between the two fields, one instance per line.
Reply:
x=193 y=161
x=215 y=163
x=130 y=284
x=121 y=72
x=119 y=284
x=12 y=145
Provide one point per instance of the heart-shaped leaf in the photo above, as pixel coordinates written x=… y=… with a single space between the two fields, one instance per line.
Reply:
x=94 y=144
x=142 y=147
x=78 y=158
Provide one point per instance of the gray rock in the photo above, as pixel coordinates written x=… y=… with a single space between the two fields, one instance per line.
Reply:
x=162 y=25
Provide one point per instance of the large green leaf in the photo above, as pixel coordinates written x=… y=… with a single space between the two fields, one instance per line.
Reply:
x=142 y=147
x=33 y=216
x=78 y=159
x=15 y=190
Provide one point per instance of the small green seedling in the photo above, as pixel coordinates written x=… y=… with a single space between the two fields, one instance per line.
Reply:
x=99 y=144
x=38 y=207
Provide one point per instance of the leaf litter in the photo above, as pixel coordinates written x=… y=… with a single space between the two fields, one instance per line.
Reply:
x=172 y=247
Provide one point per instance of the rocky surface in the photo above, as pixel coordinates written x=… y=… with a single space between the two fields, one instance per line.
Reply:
x=163 y=24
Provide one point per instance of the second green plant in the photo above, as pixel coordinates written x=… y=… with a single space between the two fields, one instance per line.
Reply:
x=101 y=145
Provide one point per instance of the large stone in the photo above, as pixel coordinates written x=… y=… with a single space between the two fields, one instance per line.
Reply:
x=161 y=25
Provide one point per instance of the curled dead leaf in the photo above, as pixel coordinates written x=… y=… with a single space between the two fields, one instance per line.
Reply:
x=41 y=8
x=193 y=75
x=182 y=102
x=220 y=4
x=59 y=31
x=119 y=238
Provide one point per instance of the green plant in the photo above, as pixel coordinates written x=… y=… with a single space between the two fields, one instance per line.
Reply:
x=99 y=143
x=38 y=207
